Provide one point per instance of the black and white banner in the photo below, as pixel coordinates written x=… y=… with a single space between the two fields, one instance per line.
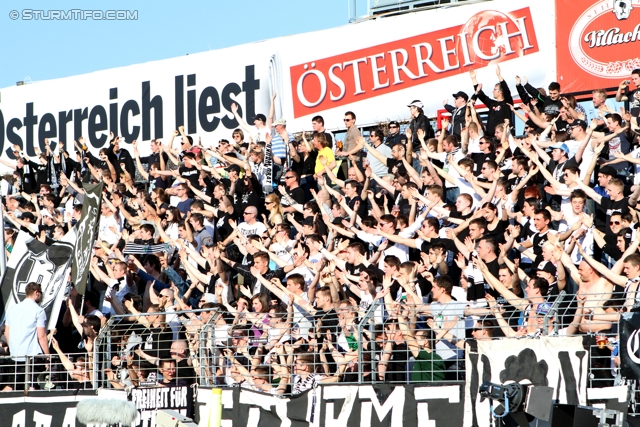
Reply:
x=342 y=405
x=33 y=261
x=85 y=234
x=327 y=406
x=558 y=362
x=630 y=345
x=42 y=408
x=149 y=401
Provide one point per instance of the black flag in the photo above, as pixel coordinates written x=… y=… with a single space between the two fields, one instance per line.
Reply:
x=630 y=345
x=85 y=235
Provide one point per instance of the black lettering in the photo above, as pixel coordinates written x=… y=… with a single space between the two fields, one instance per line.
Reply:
x=78 y=116
x=206 y=107
x=147 y=105
x=29 y=121
x=191 y=105
x=97 y=123
x=179 y=101
x=132 y=107
x=64 y=117
x=13 y=137
x=230 y=89
x=1 y=131
x=249 y=86
x=43 y=133
x=113 y=111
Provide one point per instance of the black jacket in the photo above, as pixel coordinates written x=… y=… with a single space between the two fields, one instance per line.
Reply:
x=420 y=122
x=498 y=110
x=457 y=119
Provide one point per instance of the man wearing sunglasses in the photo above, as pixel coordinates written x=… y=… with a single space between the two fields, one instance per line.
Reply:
x=395 y=137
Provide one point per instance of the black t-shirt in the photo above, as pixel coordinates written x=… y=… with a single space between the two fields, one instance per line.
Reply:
x=392 y=163
x=362 y=210
x=192 y=174
x=633 y=98
x=606 y=208
x=157 y=342
x=330 y=322
x=479 y=159
x=185 y=372
x=305 y=166
x=477 y=290
x=157 y=182
x=497 y=233
x=297 y=194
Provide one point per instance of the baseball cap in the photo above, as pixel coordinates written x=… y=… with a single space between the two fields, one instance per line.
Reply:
x=416 y=103
x=282 y=122
x=260 y=117
x=543 y=308
x=308 y=221
x=462 y=95
x=580 y=123
x=562 y=146
x=547 y=267
x=608 y=170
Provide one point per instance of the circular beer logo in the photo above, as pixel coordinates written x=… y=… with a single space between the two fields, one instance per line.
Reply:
x=603 y=39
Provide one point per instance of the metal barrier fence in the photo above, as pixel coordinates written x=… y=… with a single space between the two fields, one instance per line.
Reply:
x=382 y=343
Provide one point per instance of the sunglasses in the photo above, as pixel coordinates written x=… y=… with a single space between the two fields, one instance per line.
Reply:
x=615 y=222
x=288 y=177
x=347 y=120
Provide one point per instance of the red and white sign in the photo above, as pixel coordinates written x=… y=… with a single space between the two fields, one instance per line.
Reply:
x=598 y=43
x=488 y=37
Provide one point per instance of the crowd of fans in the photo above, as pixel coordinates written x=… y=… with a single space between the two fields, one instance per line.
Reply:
x=278 y=261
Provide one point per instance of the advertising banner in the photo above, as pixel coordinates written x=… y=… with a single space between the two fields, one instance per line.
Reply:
x=373 y=68
x=597 y=43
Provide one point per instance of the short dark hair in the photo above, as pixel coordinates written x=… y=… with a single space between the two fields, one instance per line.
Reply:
x=351 y=114
x=545 y=213
x=148 y=228
x=318 y=119
x=445 y=283
x=377 y=133
x=93 y=322
x=541 y=284
x=554 y=86
x=356 y=246
x=153 y=261
x=615 y=117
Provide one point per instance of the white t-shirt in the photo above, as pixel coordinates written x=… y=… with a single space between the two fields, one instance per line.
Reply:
x=256 y=228
x=104 y=233
x=446 y=312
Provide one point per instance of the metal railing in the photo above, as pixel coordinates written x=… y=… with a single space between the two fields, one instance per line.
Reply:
x=128 y=354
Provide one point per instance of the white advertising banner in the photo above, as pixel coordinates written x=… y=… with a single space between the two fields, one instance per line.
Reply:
x=373 y=68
